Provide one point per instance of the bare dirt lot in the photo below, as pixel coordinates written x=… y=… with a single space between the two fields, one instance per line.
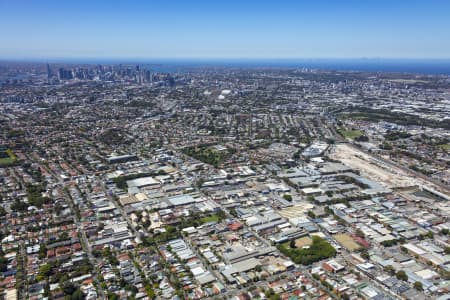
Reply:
x=347 y=242
x=304 y=241
x=371 y=167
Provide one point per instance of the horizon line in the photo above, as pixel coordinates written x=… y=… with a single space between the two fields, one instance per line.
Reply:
x=206 y=59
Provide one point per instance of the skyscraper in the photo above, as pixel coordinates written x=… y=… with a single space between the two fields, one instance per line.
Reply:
x=49 y=73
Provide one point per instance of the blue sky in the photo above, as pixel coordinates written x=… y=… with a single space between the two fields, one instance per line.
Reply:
x=224 y=29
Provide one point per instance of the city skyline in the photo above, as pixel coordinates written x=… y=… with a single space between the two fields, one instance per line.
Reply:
x=231 y=30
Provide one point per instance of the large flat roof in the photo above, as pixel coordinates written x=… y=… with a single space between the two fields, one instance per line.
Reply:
x=181 y=200
x=141 y=182
x=239 y=267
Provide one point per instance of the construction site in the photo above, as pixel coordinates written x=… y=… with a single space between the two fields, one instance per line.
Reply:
x=372 y=167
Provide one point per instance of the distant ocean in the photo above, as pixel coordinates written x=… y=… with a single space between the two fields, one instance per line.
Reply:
x=434 y=67
x=416 y=66
x=419 y=66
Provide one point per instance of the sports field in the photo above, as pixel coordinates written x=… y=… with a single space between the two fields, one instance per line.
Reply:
x=303 y=241
x=350 y=134
x=347 y=242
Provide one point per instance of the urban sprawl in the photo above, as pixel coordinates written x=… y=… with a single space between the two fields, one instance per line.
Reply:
x=122 y=182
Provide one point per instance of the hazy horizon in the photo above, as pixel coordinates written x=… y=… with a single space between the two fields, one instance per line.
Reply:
x=418 y=66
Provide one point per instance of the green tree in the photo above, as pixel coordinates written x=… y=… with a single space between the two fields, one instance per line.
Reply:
x=311 y=214
x=68 y=288
x=287 y=197
x=418 y=286
x=77 y=295
x=318 y=250
x=292 y=244
x=401 y=275
x=44 y=272
x=359 y=233
x=112 y=296
x=364 y=254
x=149 y=290
x=3 y=264
x=42 y=251
x=389 y=269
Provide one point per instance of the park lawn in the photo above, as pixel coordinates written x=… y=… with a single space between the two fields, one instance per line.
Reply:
x=444 y=147
x=350 y=134
x=4 y=161
x=208 y=154
x=318 y=250
x=356 y=116
x=213 y=218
